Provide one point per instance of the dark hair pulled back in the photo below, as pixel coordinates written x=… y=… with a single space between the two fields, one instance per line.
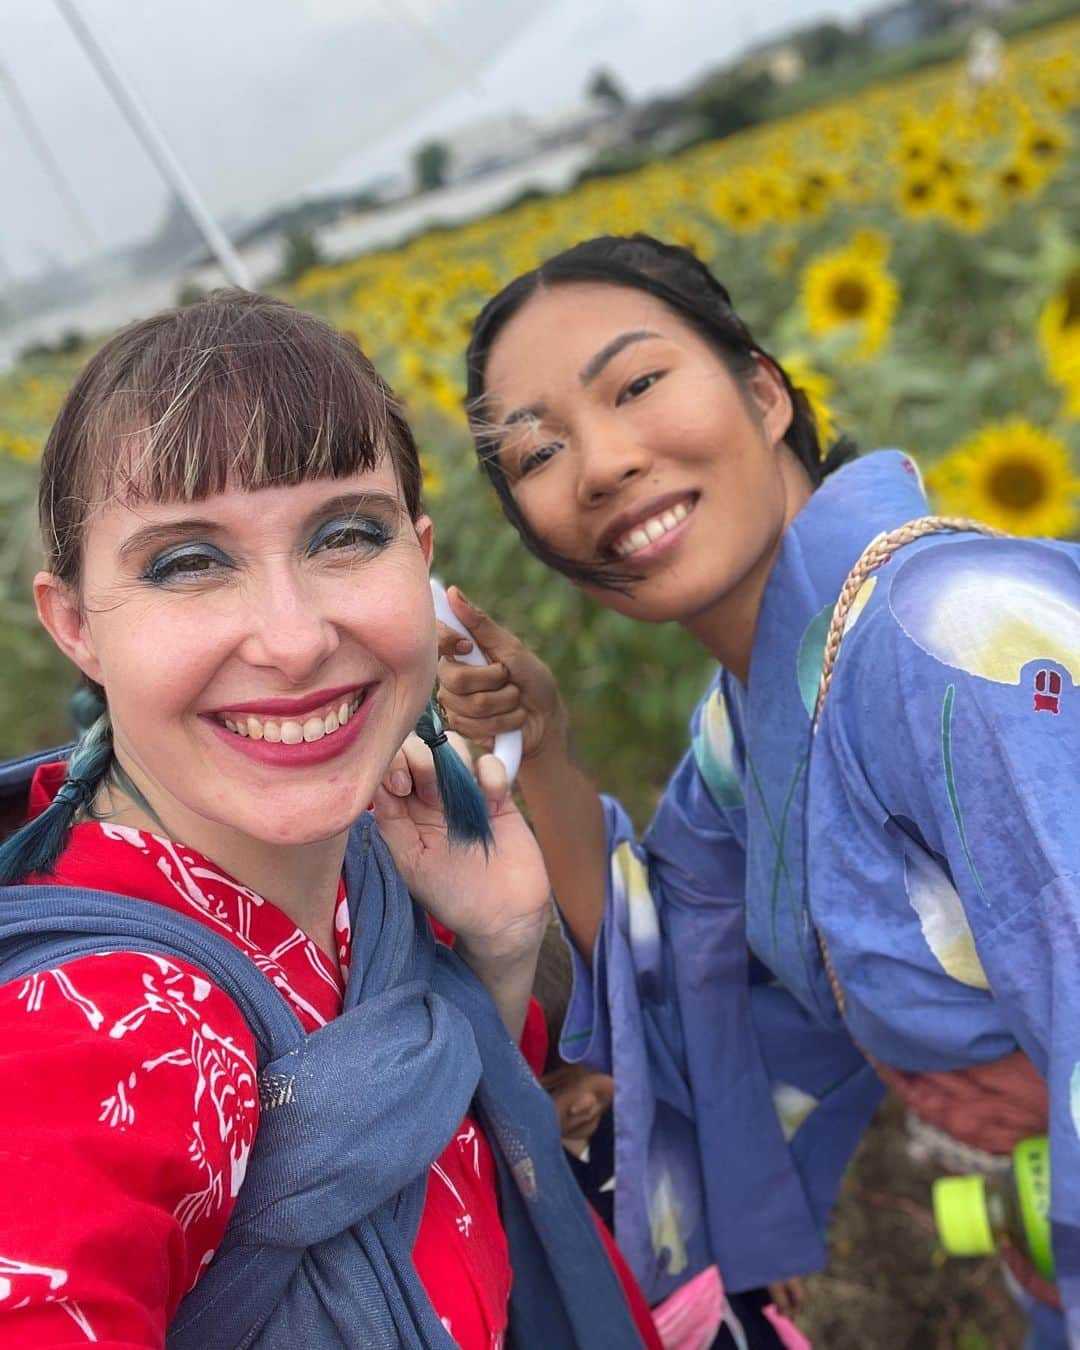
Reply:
x=678 y=278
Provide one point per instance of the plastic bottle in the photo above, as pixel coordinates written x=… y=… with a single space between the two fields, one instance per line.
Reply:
x=978 y=1215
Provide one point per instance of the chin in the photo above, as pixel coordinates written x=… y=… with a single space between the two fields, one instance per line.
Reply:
x=294 y=829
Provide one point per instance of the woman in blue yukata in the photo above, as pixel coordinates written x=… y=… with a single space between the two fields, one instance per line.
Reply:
x=925 y=828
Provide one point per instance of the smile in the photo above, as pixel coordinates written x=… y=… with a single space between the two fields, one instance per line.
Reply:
x=647 y=532
x=294 y=731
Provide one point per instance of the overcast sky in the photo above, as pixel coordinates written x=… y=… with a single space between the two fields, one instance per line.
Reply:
x=264 y=99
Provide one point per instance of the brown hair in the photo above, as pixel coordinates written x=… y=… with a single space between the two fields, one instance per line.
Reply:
x=239 y=389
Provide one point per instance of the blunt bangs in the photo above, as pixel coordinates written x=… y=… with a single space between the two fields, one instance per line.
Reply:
x=240 y=390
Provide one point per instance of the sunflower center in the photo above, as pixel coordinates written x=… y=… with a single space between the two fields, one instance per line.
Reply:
x=849 y=297
x=1017 y=484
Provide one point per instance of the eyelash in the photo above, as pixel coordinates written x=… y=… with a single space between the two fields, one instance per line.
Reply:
x=168 y=568
x=636 y=388
x=631 y=390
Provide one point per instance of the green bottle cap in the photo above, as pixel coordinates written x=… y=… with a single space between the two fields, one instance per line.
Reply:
x=1031 y=1167
x=960 y=1214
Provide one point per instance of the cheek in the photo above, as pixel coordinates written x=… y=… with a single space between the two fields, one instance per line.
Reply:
x=155 y=658
x=399 y=631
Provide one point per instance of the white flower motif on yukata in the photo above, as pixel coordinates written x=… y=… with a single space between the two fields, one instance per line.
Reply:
x=989 y=607
x=941 y=915
x=630 y=881
x=664 y=1224
x=714 y=751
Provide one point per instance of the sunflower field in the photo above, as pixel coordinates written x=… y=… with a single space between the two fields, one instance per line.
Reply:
x=909 y=253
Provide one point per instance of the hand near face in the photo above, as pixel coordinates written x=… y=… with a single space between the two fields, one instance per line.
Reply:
x=515 y=691
x=498 y=904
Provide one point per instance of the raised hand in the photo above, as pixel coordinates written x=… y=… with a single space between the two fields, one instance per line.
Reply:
x=514 y=691
x=498 y=904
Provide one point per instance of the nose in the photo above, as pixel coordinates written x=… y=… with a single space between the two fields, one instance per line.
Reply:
x=290 y=630
x=608 y=459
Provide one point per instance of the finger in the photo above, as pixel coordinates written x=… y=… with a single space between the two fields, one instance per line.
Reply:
x=471 y=679
x=451 y=643
x=493 y=704
x=481 y=730
x=397 y=780
x=421 y=766
x=491 y=775
x=492 y=640
x=461 y=746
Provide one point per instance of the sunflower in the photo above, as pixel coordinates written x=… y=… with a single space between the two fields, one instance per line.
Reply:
x=964 y=209
x=848 y=292
x=918 y=194
x=1043 y=142
x=1022 y=176
x=433 y=478
x=781 y=255
x=18 y=447
x=1059 y=337
x=1013 y=475
x=818 y=389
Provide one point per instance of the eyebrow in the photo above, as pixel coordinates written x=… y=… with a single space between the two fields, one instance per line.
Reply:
x=588 y=372
x=167 y=532
x=595 y=364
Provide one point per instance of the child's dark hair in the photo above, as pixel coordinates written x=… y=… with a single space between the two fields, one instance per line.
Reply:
x=552 y=986
x=675 y=276
x=241 y=390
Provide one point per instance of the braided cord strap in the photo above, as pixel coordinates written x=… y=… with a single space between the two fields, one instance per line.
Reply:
x=875 y=555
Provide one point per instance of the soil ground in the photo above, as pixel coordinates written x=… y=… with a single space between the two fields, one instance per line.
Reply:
x=889 y=1286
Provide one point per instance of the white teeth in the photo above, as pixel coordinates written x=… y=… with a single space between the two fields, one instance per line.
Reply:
x=651 y=530
x=291 y=731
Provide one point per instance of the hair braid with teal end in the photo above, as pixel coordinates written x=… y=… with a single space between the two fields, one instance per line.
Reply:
x=462 y=801
x=35 y=848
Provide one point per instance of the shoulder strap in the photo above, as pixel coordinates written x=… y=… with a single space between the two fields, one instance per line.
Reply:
x=878 y=552
x=46 y=926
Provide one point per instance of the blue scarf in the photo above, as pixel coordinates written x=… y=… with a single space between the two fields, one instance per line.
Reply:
x=318 y=1251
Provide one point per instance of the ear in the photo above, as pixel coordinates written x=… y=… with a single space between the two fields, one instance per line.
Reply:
x=425 y=534
x=771 y=399
x=63 y=619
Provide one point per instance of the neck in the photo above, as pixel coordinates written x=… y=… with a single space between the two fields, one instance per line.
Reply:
x=300 y=879
x=726 y=628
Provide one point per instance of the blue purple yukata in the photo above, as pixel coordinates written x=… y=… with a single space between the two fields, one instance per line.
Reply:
x=930 y=830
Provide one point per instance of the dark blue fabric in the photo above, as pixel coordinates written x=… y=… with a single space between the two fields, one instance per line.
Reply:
x=318 y=1250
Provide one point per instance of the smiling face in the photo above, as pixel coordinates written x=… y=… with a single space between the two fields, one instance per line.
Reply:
x=627 y=441
x=263 y=653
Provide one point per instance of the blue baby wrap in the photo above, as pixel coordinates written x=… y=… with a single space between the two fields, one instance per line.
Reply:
x=318 y=1251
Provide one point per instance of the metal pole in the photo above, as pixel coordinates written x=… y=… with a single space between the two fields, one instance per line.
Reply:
x=47 y=159
x=157 y=147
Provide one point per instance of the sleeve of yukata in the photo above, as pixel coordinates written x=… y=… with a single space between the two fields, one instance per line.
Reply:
x=702 y=1169
x=949 y=752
